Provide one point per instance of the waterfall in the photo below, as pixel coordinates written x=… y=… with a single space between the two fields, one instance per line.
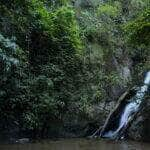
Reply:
x=130 y=108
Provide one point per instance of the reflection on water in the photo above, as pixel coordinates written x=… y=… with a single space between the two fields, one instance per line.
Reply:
x=78 y=144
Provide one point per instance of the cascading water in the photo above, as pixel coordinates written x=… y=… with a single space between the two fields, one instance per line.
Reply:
x=131 y=108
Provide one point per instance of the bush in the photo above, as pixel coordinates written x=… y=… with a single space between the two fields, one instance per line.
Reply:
x=109 y=10
x=139 y=29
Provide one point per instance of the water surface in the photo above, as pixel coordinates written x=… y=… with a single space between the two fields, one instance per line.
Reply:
x=78 y=144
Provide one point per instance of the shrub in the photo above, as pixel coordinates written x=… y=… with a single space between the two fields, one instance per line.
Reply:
x=108 y=10
x=139 y=29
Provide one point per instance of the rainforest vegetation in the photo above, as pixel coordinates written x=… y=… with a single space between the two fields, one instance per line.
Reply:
x=59 y=59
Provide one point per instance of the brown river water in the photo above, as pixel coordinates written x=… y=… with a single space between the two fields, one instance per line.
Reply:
x=78 y=144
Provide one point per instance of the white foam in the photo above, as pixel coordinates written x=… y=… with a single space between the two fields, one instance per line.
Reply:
x=147 y=79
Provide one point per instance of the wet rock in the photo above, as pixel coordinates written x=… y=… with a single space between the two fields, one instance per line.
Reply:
x=140 y=127
x=136 y=130
x=19 y=140
x=23 y=140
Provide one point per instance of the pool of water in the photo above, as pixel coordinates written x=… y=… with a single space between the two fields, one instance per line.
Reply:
x=78 y=144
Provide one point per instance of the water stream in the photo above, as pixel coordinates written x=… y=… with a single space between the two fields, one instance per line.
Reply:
x=131 y=108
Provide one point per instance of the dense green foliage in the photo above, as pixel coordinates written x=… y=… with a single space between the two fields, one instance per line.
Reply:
x=138 y=35
x=139 y=29
x=59 y=58
x=51 y=43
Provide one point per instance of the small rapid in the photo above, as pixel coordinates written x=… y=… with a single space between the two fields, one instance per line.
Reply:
x=131 y=108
